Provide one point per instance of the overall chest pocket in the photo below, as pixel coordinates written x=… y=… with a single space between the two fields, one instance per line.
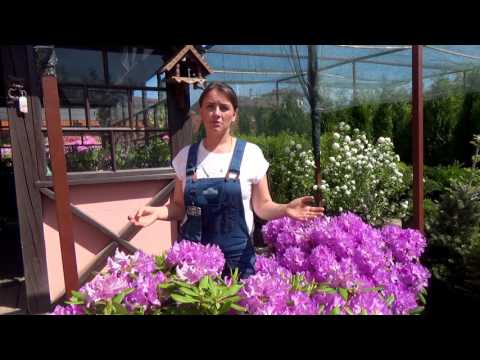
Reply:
x=212 y=195
x=222 y=217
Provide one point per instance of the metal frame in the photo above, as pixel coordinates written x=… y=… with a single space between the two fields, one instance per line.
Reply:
x=417 y=108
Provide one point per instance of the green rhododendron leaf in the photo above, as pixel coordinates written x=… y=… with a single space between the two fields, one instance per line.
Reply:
x=343 y=293
x=119 y=309
x=204 y=284
x=326 y=289
x=117 y=299
x=183 y=299
x=232 y=290
x=238 y=307
x=335 y=311
x=188 y=291
x=417 y=311
x=390 y=300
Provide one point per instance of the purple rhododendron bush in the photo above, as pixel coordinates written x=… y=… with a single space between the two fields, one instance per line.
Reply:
x=330 y=265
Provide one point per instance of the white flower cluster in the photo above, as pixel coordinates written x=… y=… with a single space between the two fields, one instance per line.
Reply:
x=293 y=172
x=363 y=177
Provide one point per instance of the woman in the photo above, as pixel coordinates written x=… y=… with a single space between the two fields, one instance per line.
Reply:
x=218 y=181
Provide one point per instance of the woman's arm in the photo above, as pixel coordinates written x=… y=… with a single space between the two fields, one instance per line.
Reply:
x=176 y=209
x=265 y=208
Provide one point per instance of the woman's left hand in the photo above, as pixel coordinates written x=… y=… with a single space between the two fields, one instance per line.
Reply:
x=302 y=209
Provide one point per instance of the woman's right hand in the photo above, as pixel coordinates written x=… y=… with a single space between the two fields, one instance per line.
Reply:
x=145 y=216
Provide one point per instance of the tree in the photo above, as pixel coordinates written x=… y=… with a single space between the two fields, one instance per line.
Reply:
x=441 y=114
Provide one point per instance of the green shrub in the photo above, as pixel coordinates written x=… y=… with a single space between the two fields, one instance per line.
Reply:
x=289 y=174
x=454 y=235
x=128 y=156
x=438 y=178
x=93 y=159
x=154 y=154
x=453 y=251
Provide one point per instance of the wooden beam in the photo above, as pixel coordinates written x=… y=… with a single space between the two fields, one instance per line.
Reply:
x=417 y=137
x=28 y=167
x=107 y=129
x=107 y=177
x=98 y=263
x=130 y=230
x=95 y=265
x=179 y=122
x=51 y=102
x=91 y=221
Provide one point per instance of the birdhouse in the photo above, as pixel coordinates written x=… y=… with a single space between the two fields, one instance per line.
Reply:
x=187 y=67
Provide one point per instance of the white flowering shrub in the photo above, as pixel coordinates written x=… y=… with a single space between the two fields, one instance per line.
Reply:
x=363 y=177
x=292 y=171
x=358 y=176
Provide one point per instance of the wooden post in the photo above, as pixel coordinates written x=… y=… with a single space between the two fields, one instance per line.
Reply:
x=179 y=123
x=47 y=61
x=29 y=167
x=180 y=127
x=417 y=137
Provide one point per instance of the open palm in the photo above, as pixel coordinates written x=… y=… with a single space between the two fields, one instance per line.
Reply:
x=302 y=209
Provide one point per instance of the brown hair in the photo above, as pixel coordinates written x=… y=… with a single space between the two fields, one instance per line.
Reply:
x=224 y=89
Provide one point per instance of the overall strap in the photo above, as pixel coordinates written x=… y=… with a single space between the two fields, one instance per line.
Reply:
x=191 y=166
x=237 y=157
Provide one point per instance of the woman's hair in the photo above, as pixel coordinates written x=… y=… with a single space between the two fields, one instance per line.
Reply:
x=224 y=89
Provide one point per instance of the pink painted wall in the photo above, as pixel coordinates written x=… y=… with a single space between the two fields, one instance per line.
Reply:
x=109 y=204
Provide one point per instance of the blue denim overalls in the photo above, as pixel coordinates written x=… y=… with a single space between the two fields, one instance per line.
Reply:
x=215 y=213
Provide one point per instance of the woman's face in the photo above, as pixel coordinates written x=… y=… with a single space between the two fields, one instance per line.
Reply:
x=217 y=112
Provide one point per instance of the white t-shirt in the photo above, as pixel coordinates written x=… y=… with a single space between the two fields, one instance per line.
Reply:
x=252 y=169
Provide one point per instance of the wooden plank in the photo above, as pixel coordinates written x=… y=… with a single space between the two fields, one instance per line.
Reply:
x=27 y=169
x=82 y=180
x=107 y=129
x=51 y=103
x=37 y=112
x=130 y=230
x=91 y=221
x=120 y=173
x=97 y=263
x=179 y=122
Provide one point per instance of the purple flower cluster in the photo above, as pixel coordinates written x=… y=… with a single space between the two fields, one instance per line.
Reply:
x=76 y=143
x=269 y=291
x=379 y=268
x=330 y=265
x=136 y=272
x=69 y=310
x=193 y=261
